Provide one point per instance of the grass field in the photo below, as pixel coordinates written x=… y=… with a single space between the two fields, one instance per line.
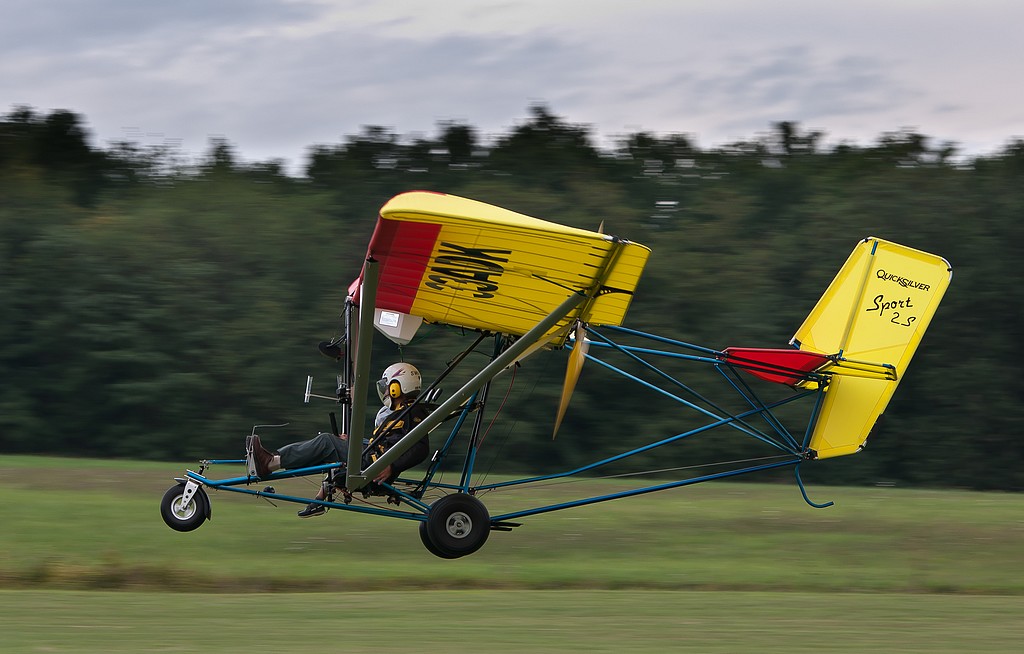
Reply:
x=455 y=622
x=717 y=567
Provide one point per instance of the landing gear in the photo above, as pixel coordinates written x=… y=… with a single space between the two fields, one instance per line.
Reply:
x=185 y=507
x=427 y=543
x=456 y=526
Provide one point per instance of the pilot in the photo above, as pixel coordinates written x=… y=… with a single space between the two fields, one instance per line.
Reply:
x=398 y=386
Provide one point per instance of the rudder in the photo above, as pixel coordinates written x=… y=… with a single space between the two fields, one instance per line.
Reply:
x=876 y=309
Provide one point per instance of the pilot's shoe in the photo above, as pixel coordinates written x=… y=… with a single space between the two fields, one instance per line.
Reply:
x=260 y=457
x=312 y=510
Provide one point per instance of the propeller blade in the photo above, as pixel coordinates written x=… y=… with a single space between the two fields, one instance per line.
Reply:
x=572 y=374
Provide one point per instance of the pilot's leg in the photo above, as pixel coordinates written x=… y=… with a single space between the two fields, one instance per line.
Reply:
x=322 y=448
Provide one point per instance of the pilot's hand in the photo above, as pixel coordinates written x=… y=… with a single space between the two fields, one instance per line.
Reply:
x=383 y=476
x=343 y=437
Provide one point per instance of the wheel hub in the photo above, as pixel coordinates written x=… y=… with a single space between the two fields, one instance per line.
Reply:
x=459 y=525
x=184 y=510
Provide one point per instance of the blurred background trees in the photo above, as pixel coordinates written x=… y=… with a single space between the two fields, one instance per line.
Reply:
x=154 y=307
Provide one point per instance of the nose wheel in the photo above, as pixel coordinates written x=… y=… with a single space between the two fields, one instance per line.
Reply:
x=185 y=507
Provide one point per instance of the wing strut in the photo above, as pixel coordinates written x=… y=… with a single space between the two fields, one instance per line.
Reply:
x=360 y=383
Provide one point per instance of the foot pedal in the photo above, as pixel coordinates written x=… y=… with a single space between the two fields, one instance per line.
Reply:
x=250 y=460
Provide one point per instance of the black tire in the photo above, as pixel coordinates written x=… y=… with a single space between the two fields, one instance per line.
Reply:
x=457 y=525
x=188 y=517
x=427 y=543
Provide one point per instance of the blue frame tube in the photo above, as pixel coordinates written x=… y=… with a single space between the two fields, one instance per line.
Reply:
x=640 y=491
x=646 y=350
x=747 y=393
x=640 y=450
x=792 y=453
x=803 y=491
x=234 y=484
x=741 y=426
x=443 y=450
x=736 y=422
x=662 y=339
x=474 y=439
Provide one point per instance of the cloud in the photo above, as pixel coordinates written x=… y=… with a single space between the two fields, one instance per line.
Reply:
x=277 y=76
x=743 y=93
x=69 y=25
x=284 y=88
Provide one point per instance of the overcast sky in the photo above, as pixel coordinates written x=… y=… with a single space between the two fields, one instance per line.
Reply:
x=275 y=77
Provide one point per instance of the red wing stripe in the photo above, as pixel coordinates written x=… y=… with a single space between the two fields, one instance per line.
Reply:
x=403 y=250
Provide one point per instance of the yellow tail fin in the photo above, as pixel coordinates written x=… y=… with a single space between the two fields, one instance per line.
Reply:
x=875 y=310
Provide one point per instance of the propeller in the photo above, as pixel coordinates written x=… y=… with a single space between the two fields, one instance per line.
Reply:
x=572 y=373
x=575 y=367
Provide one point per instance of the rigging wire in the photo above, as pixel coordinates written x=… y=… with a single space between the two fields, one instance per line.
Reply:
x=501 y=406
x=515 y=421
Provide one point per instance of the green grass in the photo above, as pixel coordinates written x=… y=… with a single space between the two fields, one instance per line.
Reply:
x=508 y=621
x=83 y=524
x=718 y=567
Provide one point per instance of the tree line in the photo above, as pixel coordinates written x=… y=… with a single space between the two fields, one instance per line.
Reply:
x=157 y=307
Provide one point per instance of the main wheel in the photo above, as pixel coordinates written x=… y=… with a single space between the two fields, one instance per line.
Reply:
x=184 y=516
x=427 y=543
x=456 y=526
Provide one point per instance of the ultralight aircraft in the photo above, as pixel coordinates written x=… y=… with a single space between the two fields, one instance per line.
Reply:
x=525 y=286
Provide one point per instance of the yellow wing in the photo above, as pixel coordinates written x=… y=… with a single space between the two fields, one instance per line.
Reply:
x=456 y=261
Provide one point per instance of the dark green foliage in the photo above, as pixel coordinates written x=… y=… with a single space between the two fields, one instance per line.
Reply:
x=156 y=309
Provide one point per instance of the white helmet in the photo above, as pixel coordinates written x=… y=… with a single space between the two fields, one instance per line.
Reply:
x=398 y=379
